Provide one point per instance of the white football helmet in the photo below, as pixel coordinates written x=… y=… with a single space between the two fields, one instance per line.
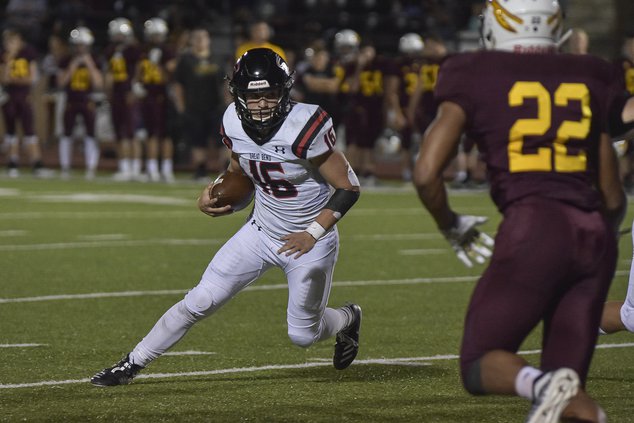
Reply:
x=155 y=27
x=81 y=36
x=120 y=28
x=522 y=25
x=347 y=44
x=411 y=43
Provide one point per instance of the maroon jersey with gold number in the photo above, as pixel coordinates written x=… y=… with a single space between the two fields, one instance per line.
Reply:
x=537 y=119
x=19 y=67
x=79 y=86
x=122 y=61
x=153 y=73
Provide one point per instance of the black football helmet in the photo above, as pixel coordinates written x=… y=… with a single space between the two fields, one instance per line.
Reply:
x=261 y=71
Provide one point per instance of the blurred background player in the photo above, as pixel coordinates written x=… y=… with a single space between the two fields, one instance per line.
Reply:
x=18 y=73
x=260 y=33
x=625 y=68
x=122 y=55
x=399 y=90
x=364 y=117
x=200 y=102
x=79 y=76
x=317 y=82
x=157 y=63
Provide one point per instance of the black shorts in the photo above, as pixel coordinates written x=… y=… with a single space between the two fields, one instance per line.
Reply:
x=200 y=128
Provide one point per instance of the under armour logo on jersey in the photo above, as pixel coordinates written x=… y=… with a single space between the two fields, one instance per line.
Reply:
x=253 y=222
x=279 y=149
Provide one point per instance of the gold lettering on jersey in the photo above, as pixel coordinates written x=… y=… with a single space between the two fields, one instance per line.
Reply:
x=371 y=82
x=340 y=74
x=629 y=80
x=80 y=80
x=569 y=129
x=19 y=68
x=411 y=81
x=429 y=75
x=118 y=68
x=151 y=73
x=542 y=161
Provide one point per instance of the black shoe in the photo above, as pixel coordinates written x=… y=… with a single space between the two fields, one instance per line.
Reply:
x=121 y=373
x=347 y=345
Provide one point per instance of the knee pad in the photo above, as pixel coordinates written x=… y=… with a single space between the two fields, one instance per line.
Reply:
x=303 y=340
x=10 y=140
x=471 y=379
x=200 y=302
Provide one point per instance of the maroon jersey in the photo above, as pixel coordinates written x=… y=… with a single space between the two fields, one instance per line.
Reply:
x=537 y=119
x=428 y=77
x=79 y=85
x=153 y=74
x=19 y=67
x=371 y=77
x=409 y=74
x=122 y=60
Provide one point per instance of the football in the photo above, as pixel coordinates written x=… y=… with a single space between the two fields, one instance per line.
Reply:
x=234 y=189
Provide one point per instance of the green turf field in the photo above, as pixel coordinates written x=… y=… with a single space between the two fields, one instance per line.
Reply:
x=147 y=244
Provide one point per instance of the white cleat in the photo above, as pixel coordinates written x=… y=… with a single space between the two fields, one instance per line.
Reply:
x=154 y=176
x=552 y=392
x=168 y=178
x=13 y=173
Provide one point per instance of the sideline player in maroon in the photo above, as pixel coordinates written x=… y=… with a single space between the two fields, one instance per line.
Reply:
x=364 y=119
x=19 y=72
x=122 y=56
x=79 y=76
x=539 y=118
x=157 y=62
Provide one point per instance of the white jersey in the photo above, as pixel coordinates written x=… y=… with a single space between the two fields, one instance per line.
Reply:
x=290 y=191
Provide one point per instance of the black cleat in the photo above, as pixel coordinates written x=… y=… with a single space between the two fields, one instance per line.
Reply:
x=347 y=345
x=121 y=373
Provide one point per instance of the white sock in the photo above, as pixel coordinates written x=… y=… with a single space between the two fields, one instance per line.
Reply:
x=169 y=329
x=152 y=166
x=124 y=166
x=65 y=152
x=91 y=153
x=136 y=166
x=332 y=322
x=167 y=167
x=524 y=381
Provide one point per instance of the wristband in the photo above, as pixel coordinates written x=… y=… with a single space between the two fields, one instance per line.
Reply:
x=315 y=230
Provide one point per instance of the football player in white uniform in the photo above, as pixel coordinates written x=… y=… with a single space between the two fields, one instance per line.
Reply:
x=287 y=149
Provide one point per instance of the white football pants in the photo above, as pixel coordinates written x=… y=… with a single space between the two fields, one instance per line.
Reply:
x=238 y=263
x=627 y=310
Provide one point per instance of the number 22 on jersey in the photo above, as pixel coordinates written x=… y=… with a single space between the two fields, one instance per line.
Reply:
x=543 y=160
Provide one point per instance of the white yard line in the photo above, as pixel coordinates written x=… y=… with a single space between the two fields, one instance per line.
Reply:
x=22 y=345
x=118 y=240
x=423 y=251
x=191 y=352
x=272 y=287
x=109 y=244
x=383 y=361
x=380 y=282
x=14 y=232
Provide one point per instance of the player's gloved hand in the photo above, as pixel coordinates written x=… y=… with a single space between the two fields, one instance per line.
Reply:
x=468 y=243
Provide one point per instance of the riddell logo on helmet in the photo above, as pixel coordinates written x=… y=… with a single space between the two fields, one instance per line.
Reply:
x=254 y=85
x=533 y=49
